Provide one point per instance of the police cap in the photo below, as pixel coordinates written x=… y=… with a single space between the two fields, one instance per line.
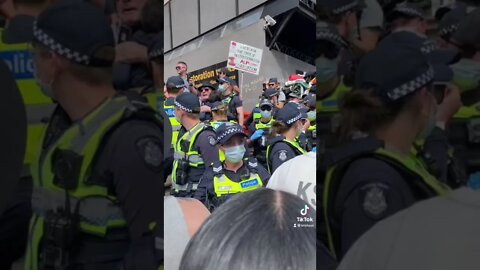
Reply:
x=409 y=10
x=78 y=31
x=270 y=92
x=226 y=131
x=421 y=43
x=289 y=114
x=175 y=82
x=217 y=105
x=187 y=102
x=395 y=72
x=468 y=32
x=336 y=7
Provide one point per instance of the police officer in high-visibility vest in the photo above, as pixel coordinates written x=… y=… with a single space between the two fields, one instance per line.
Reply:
x=287 y=127
x=374 y=174
x=219 y=115
x=260 y=131
x=464 y=132
x=269 y=94
x=88 y=213
x=15 y=51
x=175 y=86
x=310 y=102
x=196 y=146
x=336 y=29
x=235 y=175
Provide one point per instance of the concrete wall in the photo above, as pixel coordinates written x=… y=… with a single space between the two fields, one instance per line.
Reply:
x=191 y=18
x=274 y=64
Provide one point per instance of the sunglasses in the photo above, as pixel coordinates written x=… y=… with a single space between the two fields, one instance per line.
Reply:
x=178 y=67
x=205 y=90
x=438 y=90
x=271 y=84
x=266 y=108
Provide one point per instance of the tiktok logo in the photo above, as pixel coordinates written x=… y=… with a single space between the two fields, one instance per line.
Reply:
x=304 y=211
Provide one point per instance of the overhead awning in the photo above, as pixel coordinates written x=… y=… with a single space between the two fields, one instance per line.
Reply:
x=294 y=32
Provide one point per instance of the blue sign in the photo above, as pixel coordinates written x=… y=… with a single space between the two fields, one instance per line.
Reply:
x=249 y=184
x=20 y=63
x=170 y=112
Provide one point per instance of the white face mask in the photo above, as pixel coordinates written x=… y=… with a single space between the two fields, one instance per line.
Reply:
x=46 y=88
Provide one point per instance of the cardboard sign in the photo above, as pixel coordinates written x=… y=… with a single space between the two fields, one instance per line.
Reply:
x=244 y=58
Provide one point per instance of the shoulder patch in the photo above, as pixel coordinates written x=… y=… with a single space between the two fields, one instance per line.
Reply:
x=212 y=141
x=282 y=155
x=252 y=163
x=374 y=200
x=217 y=169
x=150 y=150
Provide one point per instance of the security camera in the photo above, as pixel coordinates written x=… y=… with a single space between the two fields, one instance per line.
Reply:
x=269 y=21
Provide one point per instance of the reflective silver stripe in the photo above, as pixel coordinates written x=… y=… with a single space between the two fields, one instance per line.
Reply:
x=191 y=158
x=87 y=131
x=38 y=112
x=176 y=128
x=184 y=187
x=95 y=210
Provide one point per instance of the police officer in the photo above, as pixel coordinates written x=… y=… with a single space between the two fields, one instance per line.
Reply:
x=219 y=114
x=284 y=146
x=86 y=206
x=15 y=49
x=260 y=131
x=336 y=30
x=375 y=174
x=175 y=86
x=235 y=175
x=269 y=94
x=464 y=134
x=234 y=102
x=195 y=149
x=311 y=132
x=408 y=16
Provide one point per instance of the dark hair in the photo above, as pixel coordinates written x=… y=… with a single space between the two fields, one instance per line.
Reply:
x=183 y=63
x=280 y=127
x=254 y=230
x=365 y=111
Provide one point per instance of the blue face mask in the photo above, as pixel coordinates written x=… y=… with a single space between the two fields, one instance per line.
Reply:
x=221 y=88
x=311 y=115
x=467 y=74
x=326 y=69
x=235 y=154
x=266 y=114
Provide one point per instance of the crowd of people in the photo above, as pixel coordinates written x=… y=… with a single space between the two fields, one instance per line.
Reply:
x=398 y=117
x=221 y=154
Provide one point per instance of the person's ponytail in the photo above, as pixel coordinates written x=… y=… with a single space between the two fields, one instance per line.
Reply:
x=363 y=111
